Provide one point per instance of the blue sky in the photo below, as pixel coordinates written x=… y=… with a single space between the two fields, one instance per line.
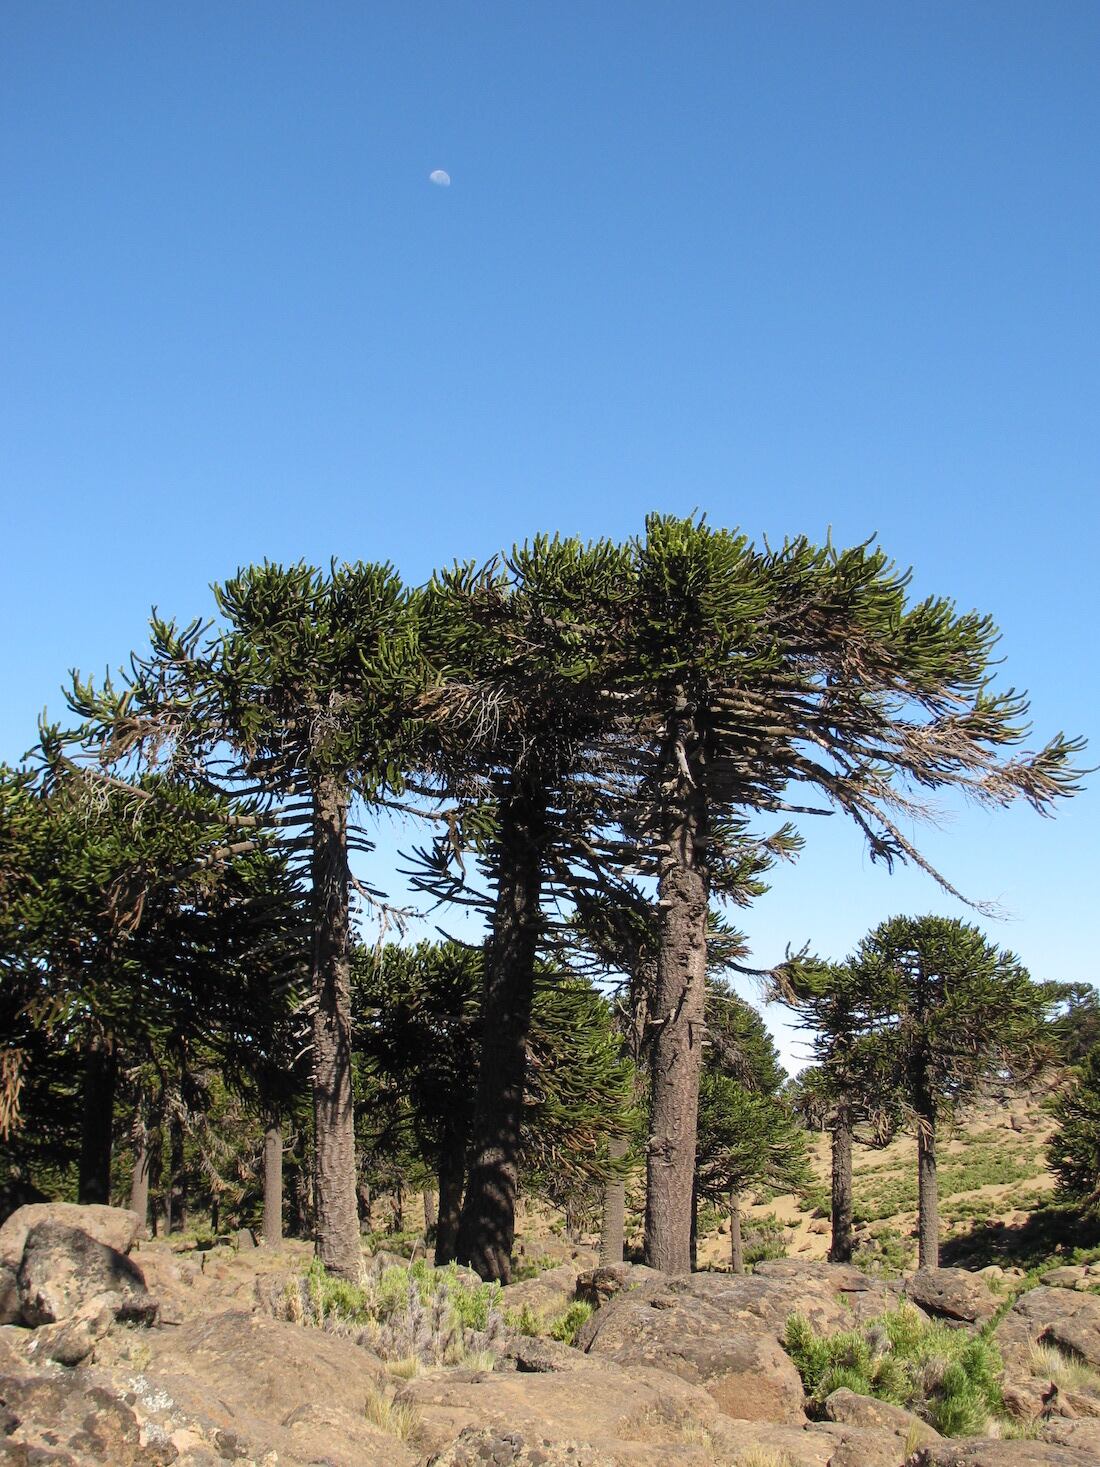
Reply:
x=798 y=265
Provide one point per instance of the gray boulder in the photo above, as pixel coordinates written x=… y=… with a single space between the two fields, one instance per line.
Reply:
x=116 y=1227
x=596 y=1286
x=64 y=1268
x=990 y=1452
x=952 y=1295
x=848 y=1408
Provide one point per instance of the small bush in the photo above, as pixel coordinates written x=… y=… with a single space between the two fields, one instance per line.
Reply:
x=568 y=1324
x=947 y=1377
x=411 y=1316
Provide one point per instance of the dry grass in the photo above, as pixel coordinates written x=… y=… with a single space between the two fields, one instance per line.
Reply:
x=392 y=1417
x=1068 y=1372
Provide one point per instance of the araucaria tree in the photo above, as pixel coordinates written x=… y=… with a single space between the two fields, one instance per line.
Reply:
x=517 y=719
x=307 y=692
x=955 y=1014
x=755 y=673
x=1074 y=1150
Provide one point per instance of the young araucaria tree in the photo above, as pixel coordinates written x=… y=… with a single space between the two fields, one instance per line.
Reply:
x=760 y=672
x=955 y=1014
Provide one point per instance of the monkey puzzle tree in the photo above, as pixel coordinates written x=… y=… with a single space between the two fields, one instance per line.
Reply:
x=755 y=673
x=306 y=696
x=522 y=648
x=954 y=1013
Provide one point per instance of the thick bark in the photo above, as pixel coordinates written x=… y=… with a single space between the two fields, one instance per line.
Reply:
x=98 y=1101
x=337 y=1211
x=677 y=1017
x=452 y=1175
x=139 y=1177
x=928 y=1201
x=840 y=1246
x=273 y=1184
x=737 y=1252
x=612 y=1231
x=487 y=1230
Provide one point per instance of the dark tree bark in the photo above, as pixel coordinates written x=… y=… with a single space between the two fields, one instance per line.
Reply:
x=928 y=1200
x=737 y=1251
x=139 y=1178
x=176 y=1199
x=677 y=1017
x=98 y=1101
x=273 y=1184
x=488 y=1225
x=337 y=1212
x=840 y=1245
x=452 y=1175
x=613 y=1228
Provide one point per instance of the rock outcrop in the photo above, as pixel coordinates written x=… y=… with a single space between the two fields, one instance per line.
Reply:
x=952 y=1295
x=64 y=1268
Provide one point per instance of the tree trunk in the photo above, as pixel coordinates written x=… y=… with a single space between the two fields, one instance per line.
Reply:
x=366 y=1204
x=431 y=1212
x=677 y=1017
x=488 y=1225
x=737 y=1252
x=452 y=1175
x=337 y=1212
x=694 y=1246
x=98 y=1103
x=176 y=1201
x=613 y=1228
x=840 y=1244
x=397 y=1212
x=139 y=1178
x=273 y=1184
x=928 y=1201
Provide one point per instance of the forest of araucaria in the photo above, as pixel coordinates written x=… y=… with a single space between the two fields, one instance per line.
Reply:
x=586 y=757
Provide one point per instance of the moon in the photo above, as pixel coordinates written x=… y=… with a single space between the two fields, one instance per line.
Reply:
x=440 y=177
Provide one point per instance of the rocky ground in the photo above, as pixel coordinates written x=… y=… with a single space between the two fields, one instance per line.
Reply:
x=131 y=1353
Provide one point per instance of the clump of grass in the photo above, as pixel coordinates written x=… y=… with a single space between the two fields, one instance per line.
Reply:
x=762 y=1457
x=396 y=1418
x=1068 y=1372
x=949 y=1378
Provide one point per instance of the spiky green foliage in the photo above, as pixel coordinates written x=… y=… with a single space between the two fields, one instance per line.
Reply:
x=748 y=1135
x=1074 y=1150
x=953 y=1011
x=950 y=1378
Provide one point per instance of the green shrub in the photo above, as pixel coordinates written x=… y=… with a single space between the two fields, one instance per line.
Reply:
x=567 y=1325
x=947 y=1377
